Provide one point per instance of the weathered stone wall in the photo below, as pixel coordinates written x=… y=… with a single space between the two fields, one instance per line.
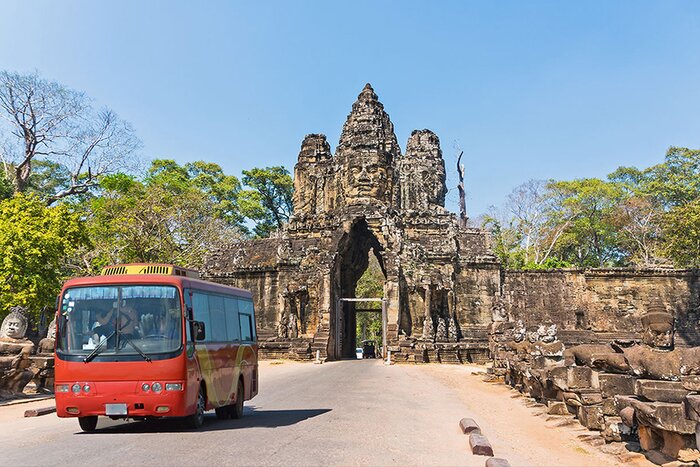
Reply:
x=604 y=303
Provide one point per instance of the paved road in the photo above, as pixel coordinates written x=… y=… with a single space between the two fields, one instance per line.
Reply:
x=339 y=413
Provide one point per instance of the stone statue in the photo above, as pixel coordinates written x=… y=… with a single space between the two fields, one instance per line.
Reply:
x=15 y=350
x=293 y=325
x=428 y=333
x=498 y=309
x=47 y=344
x=282 y=326
x=452 y=330
x=654 y=358
x=441 y=333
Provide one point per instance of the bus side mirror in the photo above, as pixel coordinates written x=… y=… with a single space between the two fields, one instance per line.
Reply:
x=199 y=333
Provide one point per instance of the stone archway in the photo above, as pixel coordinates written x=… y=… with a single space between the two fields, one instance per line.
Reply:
x=351 y=262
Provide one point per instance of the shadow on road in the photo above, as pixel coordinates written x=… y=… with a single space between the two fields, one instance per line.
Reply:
x=252 y=418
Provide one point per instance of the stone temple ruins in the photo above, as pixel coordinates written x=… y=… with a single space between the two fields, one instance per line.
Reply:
x=618 y=349
x=369 y=197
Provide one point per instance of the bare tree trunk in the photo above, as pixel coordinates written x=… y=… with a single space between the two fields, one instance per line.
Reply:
x=462 y=198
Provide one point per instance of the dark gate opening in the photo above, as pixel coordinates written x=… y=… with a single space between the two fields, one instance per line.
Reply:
x=352 y=262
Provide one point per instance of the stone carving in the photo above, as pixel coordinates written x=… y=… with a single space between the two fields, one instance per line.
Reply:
x=366 y=196
x=452 y=330
x=441 y=332
x=428 y=332
x=498 y=309
x=47 y=344
x=15 y=351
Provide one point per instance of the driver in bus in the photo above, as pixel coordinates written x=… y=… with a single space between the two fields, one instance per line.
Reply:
x=104 y=326
x=128 y=322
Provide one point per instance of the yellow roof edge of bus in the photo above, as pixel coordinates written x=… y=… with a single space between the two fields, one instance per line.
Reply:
x=145 y=268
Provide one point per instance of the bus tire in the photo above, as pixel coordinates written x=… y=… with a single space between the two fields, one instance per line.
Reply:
x=196 y=420
x=237 y=407
x=88 y=424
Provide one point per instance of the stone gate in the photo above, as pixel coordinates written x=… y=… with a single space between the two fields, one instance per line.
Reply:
x=441 y=279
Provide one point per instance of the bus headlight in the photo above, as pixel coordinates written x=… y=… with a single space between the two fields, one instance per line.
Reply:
x=173 y=386
x=157 y=387
x=62 y=388
x=86 y=388
x=145 y=387
x=75 y=388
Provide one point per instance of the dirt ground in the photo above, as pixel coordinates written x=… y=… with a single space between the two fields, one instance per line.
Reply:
x=522 y=432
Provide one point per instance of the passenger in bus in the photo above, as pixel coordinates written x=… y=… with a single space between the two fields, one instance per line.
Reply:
x=128 y=322
x=104 y=326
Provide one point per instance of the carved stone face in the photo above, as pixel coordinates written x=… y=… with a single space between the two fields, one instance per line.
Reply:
x=13 y=328
x=658 y=335
x=366 y=178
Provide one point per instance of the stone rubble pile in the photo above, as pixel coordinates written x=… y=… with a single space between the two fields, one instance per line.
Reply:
x=646 y=391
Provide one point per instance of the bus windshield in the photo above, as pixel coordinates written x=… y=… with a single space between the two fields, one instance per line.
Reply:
x=126 y=319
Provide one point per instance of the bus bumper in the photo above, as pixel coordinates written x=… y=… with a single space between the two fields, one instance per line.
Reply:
x=113 y=398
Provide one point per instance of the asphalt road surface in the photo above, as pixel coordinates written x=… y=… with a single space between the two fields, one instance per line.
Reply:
x=339 y=413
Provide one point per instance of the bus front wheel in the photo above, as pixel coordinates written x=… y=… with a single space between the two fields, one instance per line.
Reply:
x=196 y=420
x=237 y=407
x=88 y=423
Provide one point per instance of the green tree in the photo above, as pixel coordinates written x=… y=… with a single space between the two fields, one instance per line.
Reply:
x=268 y=200
x=681 y=229
x=169 y=217
x=370 y=285
x=35 y=241
x=591 y=237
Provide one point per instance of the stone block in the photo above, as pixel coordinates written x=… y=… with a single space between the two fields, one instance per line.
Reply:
x=627 y=417
x=496 y=462
x=649 y=439
x=692 y=407
x=479 y=445
x=624 y=401
x=663 y=416
x=579 y=377
x=559 y=378
x=660 y=391
x=691 y=383
x=616 y=385
x=557 y=408
x=615 y=430
x=675 y=442
x=591 y=416
x=591 y=398
x=609 y=407
x=468 y=425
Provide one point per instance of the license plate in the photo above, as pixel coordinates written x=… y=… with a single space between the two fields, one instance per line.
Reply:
x=115 y=409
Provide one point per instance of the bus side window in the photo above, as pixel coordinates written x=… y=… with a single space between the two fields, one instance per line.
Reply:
x=200 y=304
x=188 y=306
x=246 y=306
x=217 y=331
x=233 y=329
x=246 y=327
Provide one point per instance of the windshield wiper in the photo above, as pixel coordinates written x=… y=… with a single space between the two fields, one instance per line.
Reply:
x=128 y=341
x=97 y=349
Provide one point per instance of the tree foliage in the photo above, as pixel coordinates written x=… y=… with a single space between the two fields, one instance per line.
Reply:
x=268 y=200
x=35 y=241
x=47 y=125
x=637 y=217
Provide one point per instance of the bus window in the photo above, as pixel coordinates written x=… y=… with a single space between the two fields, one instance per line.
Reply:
x=200 y=305
x=233 y=331
x=246 y=306
x=217 y=331
x=246 y=327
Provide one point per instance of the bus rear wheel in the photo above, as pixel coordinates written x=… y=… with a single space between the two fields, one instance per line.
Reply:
x=196 y=420
x=237 y=407
x=88 y=424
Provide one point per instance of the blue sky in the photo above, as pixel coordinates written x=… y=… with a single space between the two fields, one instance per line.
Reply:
x=546 y=89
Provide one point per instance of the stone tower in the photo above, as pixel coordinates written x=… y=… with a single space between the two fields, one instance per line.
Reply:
x=367 y=197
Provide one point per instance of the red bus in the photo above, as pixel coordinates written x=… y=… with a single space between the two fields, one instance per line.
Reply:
x=144 y=341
